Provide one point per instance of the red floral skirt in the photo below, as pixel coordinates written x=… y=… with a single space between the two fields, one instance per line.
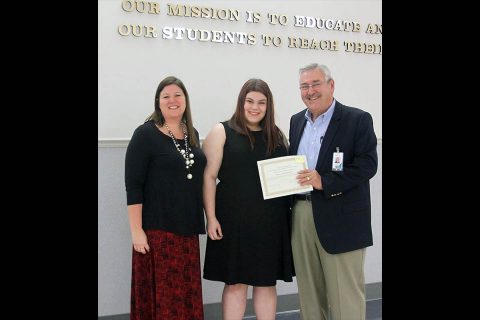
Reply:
x=166 y=282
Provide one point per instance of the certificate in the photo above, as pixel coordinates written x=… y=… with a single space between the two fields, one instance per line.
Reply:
x=278 y=176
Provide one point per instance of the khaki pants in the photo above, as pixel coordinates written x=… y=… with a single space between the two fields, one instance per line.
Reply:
x=330 y=286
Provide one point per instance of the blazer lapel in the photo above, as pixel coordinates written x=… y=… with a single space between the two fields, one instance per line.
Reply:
x=329 y=135
x=297 y=134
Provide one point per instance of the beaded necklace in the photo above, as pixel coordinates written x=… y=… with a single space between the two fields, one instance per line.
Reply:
x=187 y=153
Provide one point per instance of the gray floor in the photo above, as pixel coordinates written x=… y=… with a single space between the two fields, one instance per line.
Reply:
x=374 y=312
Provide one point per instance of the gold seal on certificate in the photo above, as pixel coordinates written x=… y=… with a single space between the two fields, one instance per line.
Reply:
x=278 y=176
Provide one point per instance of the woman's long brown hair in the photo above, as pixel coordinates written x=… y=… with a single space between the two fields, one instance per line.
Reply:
x=158 y=118
x=272 y=134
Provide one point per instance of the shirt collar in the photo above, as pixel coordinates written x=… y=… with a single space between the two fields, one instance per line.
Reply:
x=326 y=116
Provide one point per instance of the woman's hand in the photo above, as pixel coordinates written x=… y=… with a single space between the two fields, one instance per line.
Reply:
x=140 y=243
x=214 y=229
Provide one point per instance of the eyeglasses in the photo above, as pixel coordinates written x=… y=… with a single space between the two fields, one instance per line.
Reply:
x=305 y=87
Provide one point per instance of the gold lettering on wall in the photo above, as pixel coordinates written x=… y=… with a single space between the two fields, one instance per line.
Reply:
x=374 y=28
x=316 y=44
x=180 y=33
x=141 y=6
x=277 y=19
x=253 y=17
x=137 y=30
x=268 y=40
x=328 y=24
x=361 y=47
x=181 y=10
x=315 y=25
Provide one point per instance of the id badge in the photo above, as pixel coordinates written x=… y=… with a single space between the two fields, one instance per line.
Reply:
x=337 y=161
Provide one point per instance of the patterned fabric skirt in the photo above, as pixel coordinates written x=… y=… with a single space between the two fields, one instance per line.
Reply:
x=166 y=282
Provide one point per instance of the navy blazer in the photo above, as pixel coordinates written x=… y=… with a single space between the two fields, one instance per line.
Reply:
x=342 y=210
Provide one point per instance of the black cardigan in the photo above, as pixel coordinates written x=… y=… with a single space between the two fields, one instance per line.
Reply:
x=156 y=176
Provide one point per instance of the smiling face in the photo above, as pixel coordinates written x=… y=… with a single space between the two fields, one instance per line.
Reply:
x=172 y=103
x=255 y=109
x=316 y=92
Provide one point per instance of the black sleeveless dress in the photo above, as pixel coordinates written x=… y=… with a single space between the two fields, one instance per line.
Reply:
x=255 y=248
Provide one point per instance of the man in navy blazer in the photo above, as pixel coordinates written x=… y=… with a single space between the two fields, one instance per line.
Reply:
x=331 y=225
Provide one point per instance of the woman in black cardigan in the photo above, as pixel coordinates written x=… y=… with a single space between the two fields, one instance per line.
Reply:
x=163 y=177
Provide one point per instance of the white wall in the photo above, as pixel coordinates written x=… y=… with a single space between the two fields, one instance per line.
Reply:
x=130 y=68
x=115 y=248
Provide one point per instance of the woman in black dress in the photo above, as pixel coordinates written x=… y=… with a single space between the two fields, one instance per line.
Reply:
x=164 y=177
x=248 y=237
